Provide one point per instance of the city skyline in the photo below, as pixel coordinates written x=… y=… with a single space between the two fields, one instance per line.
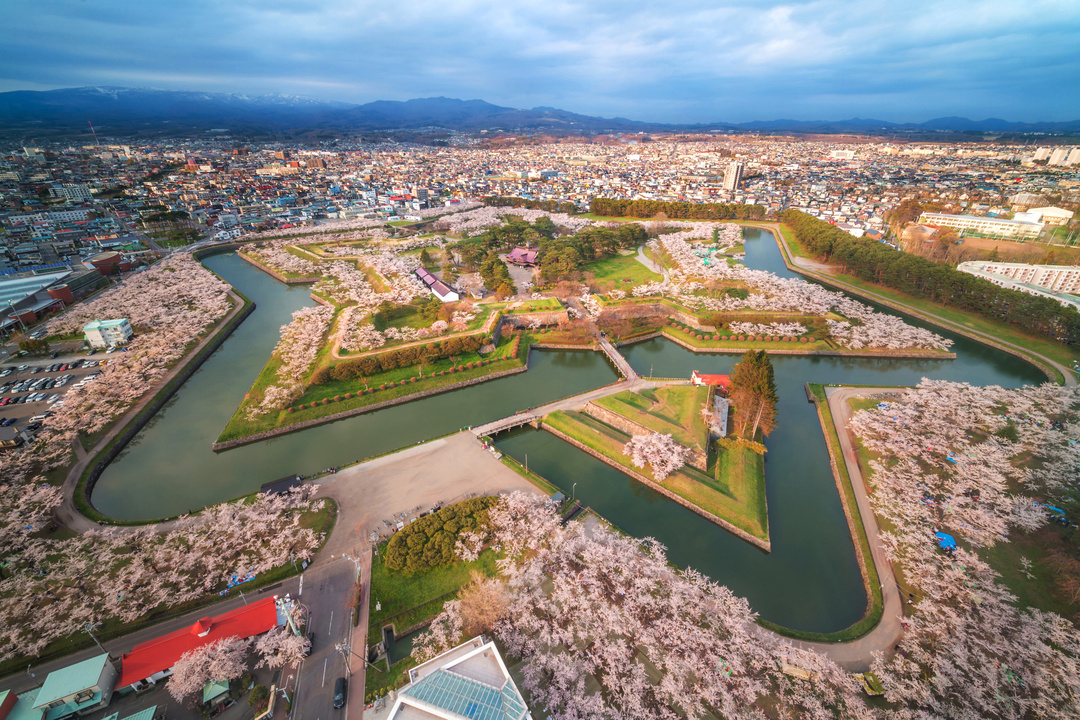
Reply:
x=702 y=63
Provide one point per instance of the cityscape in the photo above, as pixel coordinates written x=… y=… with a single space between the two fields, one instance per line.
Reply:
x=369 y=401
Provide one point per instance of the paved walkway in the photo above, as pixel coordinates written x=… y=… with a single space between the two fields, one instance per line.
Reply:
x=857 y=654
x=823 y=272
x=641 y=258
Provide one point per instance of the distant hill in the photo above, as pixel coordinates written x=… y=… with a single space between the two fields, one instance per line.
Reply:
x=118 y=111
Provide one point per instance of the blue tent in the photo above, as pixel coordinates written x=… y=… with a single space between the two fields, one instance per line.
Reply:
x=946 y=541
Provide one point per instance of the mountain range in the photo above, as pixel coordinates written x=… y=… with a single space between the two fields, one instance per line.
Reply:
x=119 y=111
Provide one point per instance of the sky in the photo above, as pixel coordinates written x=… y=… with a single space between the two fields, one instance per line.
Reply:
x=691 y=61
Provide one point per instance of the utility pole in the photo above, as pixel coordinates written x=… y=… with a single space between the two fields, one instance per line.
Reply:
x=90 y=632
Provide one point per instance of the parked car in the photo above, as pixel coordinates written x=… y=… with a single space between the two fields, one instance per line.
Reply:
x=9 y=421
x=339 y=693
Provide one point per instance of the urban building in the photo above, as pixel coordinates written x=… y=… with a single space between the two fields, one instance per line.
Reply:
x=1051 y=281
x=733 y=176
x=983 y=225
x=107 y=333
x=78 y=689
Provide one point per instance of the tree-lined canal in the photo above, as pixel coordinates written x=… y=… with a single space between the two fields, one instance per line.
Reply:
x=810 y=581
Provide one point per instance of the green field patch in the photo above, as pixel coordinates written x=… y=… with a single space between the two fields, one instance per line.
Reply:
x=735 y=493
x=672 y=410
x=619 y=272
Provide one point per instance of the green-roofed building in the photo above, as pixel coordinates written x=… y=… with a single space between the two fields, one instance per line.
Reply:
x=215 y=691
x=469 y=682
x=78 y=689
x=21 y=707
x=147 y=714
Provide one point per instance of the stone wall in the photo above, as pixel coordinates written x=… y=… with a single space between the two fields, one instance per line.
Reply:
x=793 y=349
x=617 y=421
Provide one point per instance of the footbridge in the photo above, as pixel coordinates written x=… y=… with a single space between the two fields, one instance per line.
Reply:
x=616 y=357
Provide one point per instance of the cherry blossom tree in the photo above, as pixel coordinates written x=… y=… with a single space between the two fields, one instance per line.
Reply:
x=657 y=450
x=281 y=647
x=221 y=660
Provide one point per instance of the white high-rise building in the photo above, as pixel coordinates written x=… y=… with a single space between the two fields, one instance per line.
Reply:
x=1042 y=154
x=1074 y=157
x=733 y=176
x=1058 y=156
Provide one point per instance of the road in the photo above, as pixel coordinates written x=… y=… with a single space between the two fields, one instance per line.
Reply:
x=857 y=654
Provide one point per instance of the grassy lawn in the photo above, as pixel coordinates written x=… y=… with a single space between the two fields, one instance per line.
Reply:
x=620 y=272
x=674 y=410
x=410 y=598
x=240 y=426
x=544 y=304
x=379 y=681
x=745 y=511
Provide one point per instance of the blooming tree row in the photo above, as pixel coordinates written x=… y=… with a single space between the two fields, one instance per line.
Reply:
x=584 y=605
x=792 y=329
x=952 y=458
x=297 y=350
x=53 y=588
x=688 y=281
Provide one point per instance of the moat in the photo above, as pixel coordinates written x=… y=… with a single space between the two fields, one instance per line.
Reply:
x=810 y=581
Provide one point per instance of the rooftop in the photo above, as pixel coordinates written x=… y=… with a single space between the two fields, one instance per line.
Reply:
x=70 y=680
x=154 y=656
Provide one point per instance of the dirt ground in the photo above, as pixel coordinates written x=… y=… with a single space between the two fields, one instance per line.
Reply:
x=976 y=248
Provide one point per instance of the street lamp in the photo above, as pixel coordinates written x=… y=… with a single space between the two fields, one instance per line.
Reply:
x=90 y=632
x=355 y=562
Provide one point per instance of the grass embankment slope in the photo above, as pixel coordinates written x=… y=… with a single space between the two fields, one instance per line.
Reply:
x=365 y=391
x=733 y=491
x=674 y=410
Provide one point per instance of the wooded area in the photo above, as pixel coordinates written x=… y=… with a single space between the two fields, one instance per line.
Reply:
x=921 y=278
x=675 y=210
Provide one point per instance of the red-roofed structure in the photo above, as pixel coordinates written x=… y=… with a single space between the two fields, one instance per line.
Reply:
x=721 y=381
x=156 y=656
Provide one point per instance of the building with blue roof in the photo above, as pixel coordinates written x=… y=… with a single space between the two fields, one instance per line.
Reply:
x=78 y=689
x=468 y=682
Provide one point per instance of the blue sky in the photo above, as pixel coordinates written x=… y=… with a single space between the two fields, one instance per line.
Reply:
x=694 y=61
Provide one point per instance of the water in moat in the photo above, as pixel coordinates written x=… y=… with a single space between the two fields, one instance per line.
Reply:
x=810 y=581
x=169 y=468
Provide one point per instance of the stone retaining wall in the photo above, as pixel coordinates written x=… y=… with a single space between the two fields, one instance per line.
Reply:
x=628 y=426
x=257 y=437
x=150 y=411
x=738 y=532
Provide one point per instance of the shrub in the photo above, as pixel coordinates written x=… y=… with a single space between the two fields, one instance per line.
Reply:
x=810 y=339
x=391 y=385
x=461 y=368
x=742 y=338
x=348 y=396
x=453 y=370
x=259 y=696
x=291 y=410
x=314 y=404
x=383 y=386
x=429 y=542
x=715 y=337
x=326 y=401
x=802 y=340
x=686 y=330
x=337 y=398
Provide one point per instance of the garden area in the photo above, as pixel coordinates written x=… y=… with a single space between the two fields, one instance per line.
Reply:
x=417 y=571
x=325 y=394
x=674 y=409
x=733 y=489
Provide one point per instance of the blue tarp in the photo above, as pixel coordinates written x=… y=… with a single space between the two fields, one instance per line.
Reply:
x=946 y=541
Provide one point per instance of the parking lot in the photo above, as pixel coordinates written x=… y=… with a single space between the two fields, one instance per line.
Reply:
x=30 y=388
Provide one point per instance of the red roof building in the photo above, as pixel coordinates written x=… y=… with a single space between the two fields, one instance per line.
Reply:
x=721 y=381
x=156 y=656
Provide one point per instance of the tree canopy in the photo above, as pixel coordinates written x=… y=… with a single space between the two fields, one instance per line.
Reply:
x=753 y=392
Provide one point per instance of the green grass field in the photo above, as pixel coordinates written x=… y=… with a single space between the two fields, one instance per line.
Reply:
x=620 y=272
x=241 y=426
x=409 y=598
x=738 y=498
x=674 y=410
